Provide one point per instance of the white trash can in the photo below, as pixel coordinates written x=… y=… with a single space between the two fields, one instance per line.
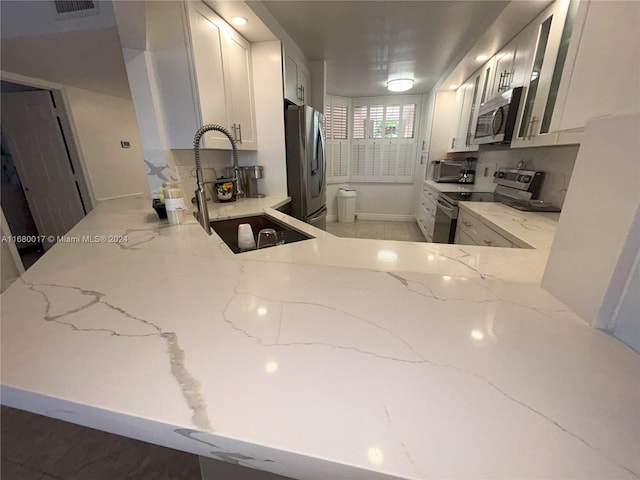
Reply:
x=346 y=205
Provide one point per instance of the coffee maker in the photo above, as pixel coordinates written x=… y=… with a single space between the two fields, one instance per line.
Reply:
x=468 y=173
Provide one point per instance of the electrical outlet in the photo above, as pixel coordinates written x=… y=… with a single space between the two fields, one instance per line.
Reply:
x=125 y=144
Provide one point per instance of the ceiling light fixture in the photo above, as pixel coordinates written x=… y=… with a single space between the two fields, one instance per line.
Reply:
x=452 y=87
x=239 y=21
x=482 y=58
x=400 y=85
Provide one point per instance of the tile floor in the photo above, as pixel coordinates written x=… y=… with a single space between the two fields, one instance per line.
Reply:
x=404 y=231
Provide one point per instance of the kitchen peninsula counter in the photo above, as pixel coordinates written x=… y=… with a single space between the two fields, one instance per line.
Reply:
x=327 y=358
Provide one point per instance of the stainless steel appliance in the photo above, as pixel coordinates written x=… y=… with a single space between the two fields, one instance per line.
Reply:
x=447 y=171
x=453 y=171
x=497 y=118
x=447 y=212
x=520 y=189
x=516 y=188
x=306 y=164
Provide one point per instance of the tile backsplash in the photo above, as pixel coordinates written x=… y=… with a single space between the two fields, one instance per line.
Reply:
x=556 y=163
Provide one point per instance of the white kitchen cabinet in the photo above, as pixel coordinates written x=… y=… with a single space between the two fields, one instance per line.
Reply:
x=297 y=84
x=202 y=70
x=427 y=211
x=554 y=32
x=239 y=90
x=466 y=115
x=602 y=73
x=471 y=230
x=511 y=64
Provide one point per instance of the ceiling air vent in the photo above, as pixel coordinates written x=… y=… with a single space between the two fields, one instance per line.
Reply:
x=75 y=8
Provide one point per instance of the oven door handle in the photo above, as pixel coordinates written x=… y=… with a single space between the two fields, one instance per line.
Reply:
x=445 y=206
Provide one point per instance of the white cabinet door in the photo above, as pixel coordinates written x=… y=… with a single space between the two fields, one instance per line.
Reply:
x=210 y=97
x=203 y=75
x=291 y=80
x=523 y=46
x=503 y=70
x=304 y=83
x=238 y=77
x=467 y=104
x=604 y=78
x=297 y=84
x=552 y=31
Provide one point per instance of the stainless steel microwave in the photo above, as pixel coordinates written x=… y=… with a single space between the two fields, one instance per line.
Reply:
x=447 y=171
x=497 y=118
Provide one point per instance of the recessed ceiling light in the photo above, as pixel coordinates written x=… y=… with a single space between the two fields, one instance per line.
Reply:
x=452 y=87
x=239 y=21
x=400 y=85
x=482 y=58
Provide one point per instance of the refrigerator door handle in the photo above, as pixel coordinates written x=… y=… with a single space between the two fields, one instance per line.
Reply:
x=320 y=153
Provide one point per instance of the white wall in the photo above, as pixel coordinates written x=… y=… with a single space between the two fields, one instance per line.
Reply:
x=594 y=248
x=375 y=201
x=101 y=122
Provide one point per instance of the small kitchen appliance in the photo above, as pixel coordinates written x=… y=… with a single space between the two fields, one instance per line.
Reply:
x=453 y=171
x=497 y=118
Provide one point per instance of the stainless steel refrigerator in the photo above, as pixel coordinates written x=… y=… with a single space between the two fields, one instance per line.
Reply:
x=306 y=164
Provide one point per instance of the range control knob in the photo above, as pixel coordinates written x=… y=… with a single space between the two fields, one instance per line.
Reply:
x=524 y=178
x=500 y=174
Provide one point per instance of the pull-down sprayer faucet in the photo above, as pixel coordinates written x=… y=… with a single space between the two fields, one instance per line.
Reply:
x=201 y=196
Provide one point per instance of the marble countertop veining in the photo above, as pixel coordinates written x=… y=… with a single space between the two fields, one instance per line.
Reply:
x=301 y=360
x=536 y=229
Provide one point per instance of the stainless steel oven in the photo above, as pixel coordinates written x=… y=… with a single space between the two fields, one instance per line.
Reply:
x=444 y=230
x=447 y=212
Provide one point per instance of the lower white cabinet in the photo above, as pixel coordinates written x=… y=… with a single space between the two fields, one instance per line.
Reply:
x=472 y=231
x=426 y=214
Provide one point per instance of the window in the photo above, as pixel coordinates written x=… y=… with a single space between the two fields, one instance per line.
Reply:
x=379 y=145
x=336 y=114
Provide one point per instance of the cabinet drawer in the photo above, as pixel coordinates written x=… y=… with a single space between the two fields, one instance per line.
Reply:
x=462 y=238
x=481 y=234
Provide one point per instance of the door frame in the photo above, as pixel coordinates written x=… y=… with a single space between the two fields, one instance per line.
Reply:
x=68 y=126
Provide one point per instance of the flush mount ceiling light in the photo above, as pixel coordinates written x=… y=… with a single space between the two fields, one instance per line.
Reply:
x=239 y=21
x=400 y=85
x=482 y=58
x=452 y=87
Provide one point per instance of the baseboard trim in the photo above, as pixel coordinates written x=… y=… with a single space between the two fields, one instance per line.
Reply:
x=385 y=217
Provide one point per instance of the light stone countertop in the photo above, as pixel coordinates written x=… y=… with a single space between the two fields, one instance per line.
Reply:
x=483 y=185
x=535 y=229
x=305 y=361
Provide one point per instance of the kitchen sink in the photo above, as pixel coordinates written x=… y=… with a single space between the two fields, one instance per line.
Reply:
x=228 y=230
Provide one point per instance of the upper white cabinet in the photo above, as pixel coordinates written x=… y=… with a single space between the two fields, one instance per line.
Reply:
x=509 y=68
x=297 y=84
x=202 y=69
x=554 y=32
x=466 y=114
x=604 y=77
x=239 y=90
